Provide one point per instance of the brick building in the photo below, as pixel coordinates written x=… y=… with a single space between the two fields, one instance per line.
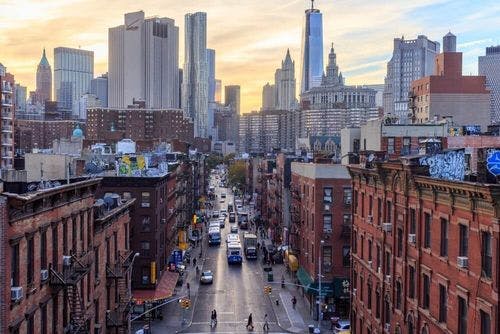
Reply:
x=7 y=117
x=449 y=93
x=108 y=125
x=424 y=248
x=321 y=227
x=67 y=261
x=42 y=133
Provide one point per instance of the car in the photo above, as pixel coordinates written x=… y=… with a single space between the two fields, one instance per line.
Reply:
x=215 y=214
x=214 y=223
x=223 y=195
x=342 y=326
x=207 y=277
x=232 y=238
x=222 y=223
x=234 y=229
x=222 y=201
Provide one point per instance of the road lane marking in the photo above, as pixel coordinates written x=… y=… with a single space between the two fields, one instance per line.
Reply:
x=233 y=322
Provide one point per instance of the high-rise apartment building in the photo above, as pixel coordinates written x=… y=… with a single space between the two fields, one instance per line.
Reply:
x=489 y=66
x=284 y=79
x=7 y=118
x=73 y=71
x=211 y=90
x=411 y=60
x=99 y=88
x=268 y=97
x=44 y=80
x=218 y=90
x=195 y=81
x=20 y=98
x=144 y=62
x=232 y=97
x=312 y=49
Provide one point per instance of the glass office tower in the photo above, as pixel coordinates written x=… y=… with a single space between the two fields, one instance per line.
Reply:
x=312 y=50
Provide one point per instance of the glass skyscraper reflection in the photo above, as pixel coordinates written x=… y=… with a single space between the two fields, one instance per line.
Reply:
x=312 y=50
x=73 y=71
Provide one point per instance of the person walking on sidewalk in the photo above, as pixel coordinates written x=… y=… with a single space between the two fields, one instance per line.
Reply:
x=250 y=323
x=194 y=262
x=294 y=302
x=266 y=323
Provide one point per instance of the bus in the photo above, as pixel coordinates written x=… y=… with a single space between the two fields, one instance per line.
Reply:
x=243 y=220
x=234 y=253
x=214 y=236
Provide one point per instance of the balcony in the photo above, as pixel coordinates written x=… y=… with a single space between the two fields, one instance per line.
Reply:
x=7 y=114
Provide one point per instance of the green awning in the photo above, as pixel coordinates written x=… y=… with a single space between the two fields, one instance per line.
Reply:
x=326 y=289
x=304 y=277
x=341 y=287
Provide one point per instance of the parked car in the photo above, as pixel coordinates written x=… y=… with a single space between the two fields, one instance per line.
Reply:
x=222 y=223
x=207 y=277
x=234 y=229
x=342 y=326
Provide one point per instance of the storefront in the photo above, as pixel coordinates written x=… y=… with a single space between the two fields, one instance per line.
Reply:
x=341 y=293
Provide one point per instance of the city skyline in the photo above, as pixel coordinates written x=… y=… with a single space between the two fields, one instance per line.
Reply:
x=247 y=54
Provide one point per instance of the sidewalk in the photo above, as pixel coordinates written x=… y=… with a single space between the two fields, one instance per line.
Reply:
x=293 y=320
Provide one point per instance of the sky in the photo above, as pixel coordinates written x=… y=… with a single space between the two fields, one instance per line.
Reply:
x=251 y=37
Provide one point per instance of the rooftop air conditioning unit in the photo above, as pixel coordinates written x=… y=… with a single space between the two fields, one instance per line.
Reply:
x=387 y=227
x=412 y=238
x=463 y=261
x=16 y=293
x=44 y=275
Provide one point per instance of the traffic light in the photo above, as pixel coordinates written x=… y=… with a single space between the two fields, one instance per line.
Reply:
x=268 y=290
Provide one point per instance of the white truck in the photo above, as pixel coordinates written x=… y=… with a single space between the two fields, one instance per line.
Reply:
x=250 y=245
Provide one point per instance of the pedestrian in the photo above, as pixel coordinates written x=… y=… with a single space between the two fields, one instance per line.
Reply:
x=266 y=323
x=194 y=262
x=250 y=322
x=282 y=281
x=294 y=302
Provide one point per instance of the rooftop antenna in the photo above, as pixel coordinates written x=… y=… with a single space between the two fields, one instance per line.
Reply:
x=312 y=4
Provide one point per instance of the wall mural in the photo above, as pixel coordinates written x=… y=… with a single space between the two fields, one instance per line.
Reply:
x=493 y=162
x=448 y=165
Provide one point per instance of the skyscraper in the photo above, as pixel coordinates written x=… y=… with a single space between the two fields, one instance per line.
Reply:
x=211 y=90
x=411 y=60
x=268 y=97
x=284 y=80
x=44 y=80
x=489 y=66
x=195 y=81
x=20 y=98
x=312 y=49
x=144 y=62
x=99 y=88
x=232 y=97
x=218 y=90
x=73 y=71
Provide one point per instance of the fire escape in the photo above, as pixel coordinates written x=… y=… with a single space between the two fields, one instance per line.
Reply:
x=74 y=269
x=295 y=217
x=117 y=274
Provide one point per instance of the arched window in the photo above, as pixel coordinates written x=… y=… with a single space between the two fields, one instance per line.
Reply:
x=410 y=324
x=398 y=330
x=425 y=329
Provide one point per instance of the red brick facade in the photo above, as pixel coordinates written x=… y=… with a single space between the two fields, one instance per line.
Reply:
x=424 y=252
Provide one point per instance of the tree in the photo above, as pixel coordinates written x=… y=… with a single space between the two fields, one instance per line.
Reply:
x=213 y=160
x=236 y=174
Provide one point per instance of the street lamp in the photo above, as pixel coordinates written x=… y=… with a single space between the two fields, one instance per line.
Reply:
x=130 y=283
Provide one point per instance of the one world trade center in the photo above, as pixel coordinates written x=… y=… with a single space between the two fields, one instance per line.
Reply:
x=312 y=49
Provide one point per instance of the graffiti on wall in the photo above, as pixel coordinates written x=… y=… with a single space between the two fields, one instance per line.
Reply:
x=448 y=165
x=493 y=162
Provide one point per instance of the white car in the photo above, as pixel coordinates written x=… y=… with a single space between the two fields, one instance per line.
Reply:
x=232 y=238
x=215 y=214
x=234 y=229
x=207 y=277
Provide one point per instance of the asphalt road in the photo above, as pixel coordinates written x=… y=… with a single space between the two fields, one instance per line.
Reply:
x=236 y=292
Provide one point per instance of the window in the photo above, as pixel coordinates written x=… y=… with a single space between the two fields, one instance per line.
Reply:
x=55 y=247
x=486 y=255
x=347 y=196
x=30 y=326
x=370 y=205
x=115 y=242
x=387 y=309
x=400 y=242
x=347 y=219
x=327 y=223
x=377 y=304
x=443 y=303
x=89 y=232
x=398 y=295
x=327 y=258
x=354 y=280
x=379 y=254
x=355 y=203
x=96 y=311
x=145 y=272
x=427 y=230
x=390 y=145
x=406 y=149
x=387 y=263
x=462 y=315
x=96 y=262
x=379 y=211
x=411 y=282
x=43 y=319
x=388 y=212
x=145 y=247
x=426 y=291
x=31 y=261
x=65 y=238
x=361 y=288
x=15 y=265
x=463 y=249
x=369 y=296
x=43 y=249
x=370 y=250
x=73 y=236
x=443 y=251
x=145 y=199
x=346 y=256
x=362 y=242
x=413 y=221
x=362 y=204
x=327 y=195
x=485 y=322
x=354 y=242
